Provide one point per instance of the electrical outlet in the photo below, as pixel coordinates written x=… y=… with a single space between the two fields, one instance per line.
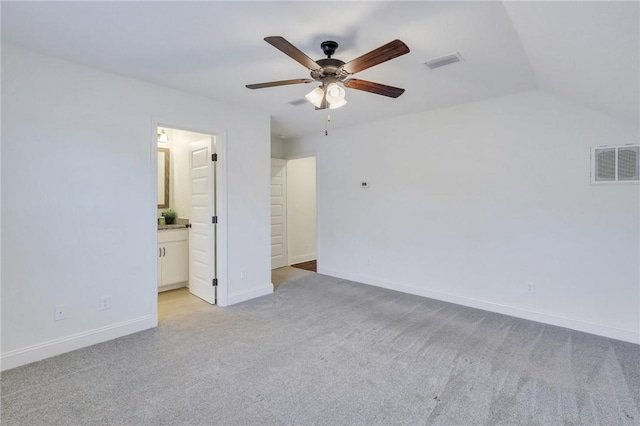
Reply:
x=60 y=312
x=531 y=287
x=243 y=273
x=105 y=303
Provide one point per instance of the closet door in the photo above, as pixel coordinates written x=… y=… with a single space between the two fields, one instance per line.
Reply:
x=278 y=213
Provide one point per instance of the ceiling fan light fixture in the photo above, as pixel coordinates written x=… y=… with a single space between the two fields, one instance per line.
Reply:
x=337 y=104
x=315 y=96
x=335 y=93
x=335 y=96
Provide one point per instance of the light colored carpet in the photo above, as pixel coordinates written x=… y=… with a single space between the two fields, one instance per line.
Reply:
x=325 y=351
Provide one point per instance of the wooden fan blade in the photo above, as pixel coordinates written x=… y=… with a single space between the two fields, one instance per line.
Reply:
x=289 y=49
x=377 y=88
x=377 y=56
x=279 y=83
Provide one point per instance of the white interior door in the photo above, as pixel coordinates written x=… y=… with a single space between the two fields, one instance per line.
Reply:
x=278 y=213
x=202 y=233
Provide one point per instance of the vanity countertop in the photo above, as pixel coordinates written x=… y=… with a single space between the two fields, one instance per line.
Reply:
x=180 y=224
x=176 y=226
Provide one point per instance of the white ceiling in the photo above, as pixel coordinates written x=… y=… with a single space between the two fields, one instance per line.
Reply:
x=585 y=51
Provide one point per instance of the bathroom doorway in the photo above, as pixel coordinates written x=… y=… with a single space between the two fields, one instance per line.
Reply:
x=187 y=221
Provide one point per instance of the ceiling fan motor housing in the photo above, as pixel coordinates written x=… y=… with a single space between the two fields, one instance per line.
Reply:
x=329 y=47
x=329 y=67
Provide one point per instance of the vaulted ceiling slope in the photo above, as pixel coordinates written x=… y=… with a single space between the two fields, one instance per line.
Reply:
x=585 y=51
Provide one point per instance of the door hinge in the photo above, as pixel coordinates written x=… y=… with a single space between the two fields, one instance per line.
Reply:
x=214 y=282
x=214 y=157
x=214 y=219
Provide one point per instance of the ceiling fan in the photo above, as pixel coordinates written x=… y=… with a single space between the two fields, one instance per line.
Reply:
x=332 y=71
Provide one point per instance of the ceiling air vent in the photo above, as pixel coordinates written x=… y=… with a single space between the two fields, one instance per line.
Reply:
x=298 y=102
x=447 y=59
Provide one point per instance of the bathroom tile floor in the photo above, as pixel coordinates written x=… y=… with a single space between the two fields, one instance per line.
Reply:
x=178 y=302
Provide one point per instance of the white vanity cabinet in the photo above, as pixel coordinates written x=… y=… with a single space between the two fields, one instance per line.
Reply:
x=173 y=259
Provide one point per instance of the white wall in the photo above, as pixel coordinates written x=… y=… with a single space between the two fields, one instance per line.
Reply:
x=468 y=203
x=78 y=197
x=301 y=209
x=277 y=148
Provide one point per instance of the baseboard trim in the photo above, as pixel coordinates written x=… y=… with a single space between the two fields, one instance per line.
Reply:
x=542 y=317
x=173 y=286
x=303 y=258
x=252 y=293
x=55 y=347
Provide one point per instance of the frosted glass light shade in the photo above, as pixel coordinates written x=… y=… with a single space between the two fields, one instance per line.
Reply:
x=315 y=96
x=334 y=92
x=337 y=104
x=335 y=96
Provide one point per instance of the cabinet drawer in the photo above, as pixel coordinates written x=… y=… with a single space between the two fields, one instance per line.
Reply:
x=172 y=235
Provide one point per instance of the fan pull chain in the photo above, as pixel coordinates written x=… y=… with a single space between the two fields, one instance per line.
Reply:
x=326 y=125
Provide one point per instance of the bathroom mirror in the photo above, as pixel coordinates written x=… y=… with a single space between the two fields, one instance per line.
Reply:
x=163 y=178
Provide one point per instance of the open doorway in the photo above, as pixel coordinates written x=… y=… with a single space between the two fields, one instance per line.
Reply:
x=187 y=221
x=294 y=220
x=302 y=215
x=293 y=215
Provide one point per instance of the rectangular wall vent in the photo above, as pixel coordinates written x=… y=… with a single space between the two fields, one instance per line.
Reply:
x=615 y=164
x=441 y=61
x=298 y=102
